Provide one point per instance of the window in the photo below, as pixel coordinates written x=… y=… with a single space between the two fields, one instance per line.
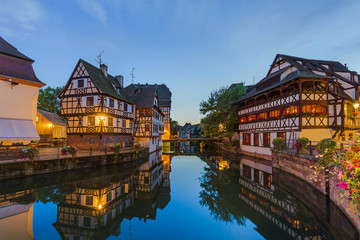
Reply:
x=291 y=111
x=122 y=189
x=282 y=135
x=80 y=83
x=246 y=140
x=89 y=101
x=89 y=200
x=87 y=222
x=91 y=121
x=119 y=105
x=111 y=102
x=147 y=127
x=116 y=192
x=262 y=116
x=256 y=176
x=243 y=119
x=108 y=197
x=247 y=171
x=274 y=114
x=267 y=180
x=146 y=180
x=110 y=121
x=251 y=118
x=165 y=109
x=125 y=107
x=314 y=110
x=256 y=139
x=266 y=139
x=124 y=123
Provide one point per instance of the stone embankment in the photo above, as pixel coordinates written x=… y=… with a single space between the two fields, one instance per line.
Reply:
x=21 y=168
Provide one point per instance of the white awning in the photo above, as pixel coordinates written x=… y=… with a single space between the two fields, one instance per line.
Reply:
x=16 y=129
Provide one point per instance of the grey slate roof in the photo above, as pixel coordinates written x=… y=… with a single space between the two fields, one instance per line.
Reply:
x=8 y=49
x=105 y=84
x=52 y=117
x=142 y=95
x=163 y=92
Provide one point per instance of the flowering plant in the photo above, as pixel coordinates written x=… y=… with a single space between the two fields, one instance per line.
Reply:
x=353 y=114
x=301 y=144
x=116 y=148
x=279 y=143
x=136 y=147
x=344 y=164
x=29 y=153
x=69 y=150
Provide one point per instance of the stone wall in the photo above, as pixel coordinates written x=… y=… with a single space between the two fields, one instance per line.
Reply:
x=97 y=143
x=28 y=168
x=299 y=165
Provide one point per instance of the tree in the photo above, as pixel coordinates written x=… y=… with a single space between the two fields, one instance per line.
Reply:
x=220 y=115
x=48 y=100
x=173 y=127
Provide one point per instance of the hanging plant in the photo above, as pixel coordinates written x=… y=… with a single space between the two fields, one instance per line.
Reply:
x=29 y=153
x=116 y=148
x=136 y=147
x=69 y=150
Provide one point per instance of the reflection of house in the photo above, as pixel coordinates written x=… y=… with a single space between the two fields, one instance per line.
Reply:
x=299 y=98
x=276 y=214
x=97 y=113
x=93 y=210
x=49 y=125
x=19 y=89
x=149 y=121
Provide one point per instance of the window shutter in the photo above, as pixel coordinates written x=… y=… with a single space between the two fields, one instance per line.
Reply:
x=74 y=83
x=85 y=82
x=95 y=100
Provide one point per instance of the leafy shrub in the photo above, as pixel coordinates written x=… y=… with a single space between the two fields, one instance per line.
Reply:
x=29 y=153
x=325 y=144
x=279 y=143
x=301 y=144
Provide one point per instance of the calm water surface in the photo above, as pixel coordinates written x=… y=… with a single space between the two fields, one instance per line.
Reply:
x=163 y=197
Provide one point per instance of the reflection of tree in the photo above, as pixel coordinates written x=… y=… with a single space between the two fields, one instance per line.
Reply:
x=220 y=195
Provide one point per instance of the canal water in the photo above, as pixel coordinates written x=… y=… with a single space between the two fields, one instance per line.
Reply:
x=183 y=196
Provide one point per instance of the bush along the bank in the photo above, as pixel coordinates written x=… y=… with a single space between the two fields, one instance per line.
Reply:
x=344 y=164
x=325 y=145
x=279 y=143
x=69 y=150
x=136 y=147
x=116 y=148
x=29 y=153
x=301 y=144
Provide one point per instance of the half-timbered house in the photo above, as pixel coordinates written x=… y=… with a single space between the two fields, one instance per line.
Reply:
x=165 y=106
x=149 y=120
x=299 y=97
x=97 y=113
x=19 y=90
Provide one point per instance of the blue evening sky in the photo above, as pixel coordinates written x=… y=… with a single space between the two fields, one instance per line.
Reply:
x=193 y=46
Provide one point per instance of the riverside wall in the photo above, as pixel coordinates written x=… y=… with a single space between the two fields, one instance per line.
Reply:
x=17 y=169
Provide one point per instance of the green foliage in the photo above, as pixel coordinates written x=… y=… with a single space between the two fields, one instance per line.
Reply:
x=279 y=143
x=220 y=118
x=116 y=148
x=173 y=127
x=48 y=100
x=301 y=144
x=326 y=144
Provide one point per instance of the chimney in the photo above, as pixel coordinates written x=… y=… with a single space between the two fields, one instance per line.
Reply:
x=120 y=79
x=104 y=69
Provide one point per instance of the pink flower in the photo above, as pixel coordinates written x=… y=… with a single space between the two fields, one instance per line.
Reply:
x=340 y=174
x=343 y=185
x=351 y=142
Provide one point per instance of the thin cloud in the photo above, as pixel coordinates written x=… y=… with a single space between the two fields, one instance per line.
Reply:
x=17 y=16
x=94 y=9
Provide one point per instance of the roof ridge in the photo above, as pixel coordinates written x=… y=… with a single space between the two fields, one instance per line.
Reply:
x=309 y=59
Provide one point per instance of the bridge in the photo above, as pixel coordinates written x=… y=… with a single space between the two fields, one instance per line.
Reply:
x=193 y=140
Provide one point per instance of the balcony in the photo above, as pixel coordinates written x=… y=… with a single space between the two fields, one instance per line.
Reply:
x=95 y=110
x=98 y=130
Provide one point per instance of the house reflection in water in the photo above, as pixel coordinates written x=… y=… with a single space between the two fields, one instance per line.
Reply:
x=15 y=216
x=97 y=207
x=288 y=217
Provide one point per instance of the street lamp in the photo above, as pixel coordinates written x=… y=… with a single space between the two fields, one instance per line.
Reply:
x=356 y=106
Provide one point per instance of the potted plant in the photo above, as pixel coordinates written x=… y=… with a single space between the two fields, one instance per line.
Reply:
x=69 y=150
x=29 y=153
x=116 y=148
x=301 y=144
x=279 y=143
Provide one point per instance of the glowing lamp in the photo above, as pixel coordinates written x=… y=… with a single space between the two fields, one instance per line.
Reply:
x=100 y=206
x=102 y=117
x=356 y=105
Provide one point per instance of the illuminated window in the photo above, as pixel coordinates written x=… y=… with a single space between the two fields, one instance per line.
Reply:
x=274 y=114
x=314 y=109
x=256 y=139
x=110 y=122
x=266 y=139
x=262 y=116
x=247 y=171
x=282 y=135
x=251 y=118
x=267 y=180
x=246 y=140
x=243 y=120
x=89 y=200
x=291 y=111
x=91 y=121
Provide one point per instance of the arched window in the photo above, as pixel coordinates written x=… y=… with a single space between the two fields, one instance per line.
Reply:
x=314 y=110
x=262 y=116
x=251 y=118
x=274 y=114
x=291 y=111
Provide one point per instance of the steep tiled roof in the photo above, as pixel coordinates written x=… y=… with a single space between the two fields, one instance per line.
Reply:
x=52 y=117
x=105 y=84
x=142 y=95
x=164 y=93
x=15 y=64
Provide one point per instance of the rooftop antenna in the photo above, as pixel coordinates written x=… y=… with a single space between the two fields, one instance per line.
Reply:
x=253 y=80
x=132 y=75
x=98 y=60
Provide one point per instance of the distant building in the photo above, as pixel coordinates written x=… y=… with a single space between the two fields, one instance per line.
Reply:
x=49 y=126
x=97 y=113
x=19 y=90
x=190 y=131
x=299 y=97
x=149 y=120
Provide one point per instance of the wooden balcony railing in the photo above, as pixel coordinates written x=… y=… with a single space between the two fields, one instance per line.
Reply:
x=94 y=110
x=98 y=130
